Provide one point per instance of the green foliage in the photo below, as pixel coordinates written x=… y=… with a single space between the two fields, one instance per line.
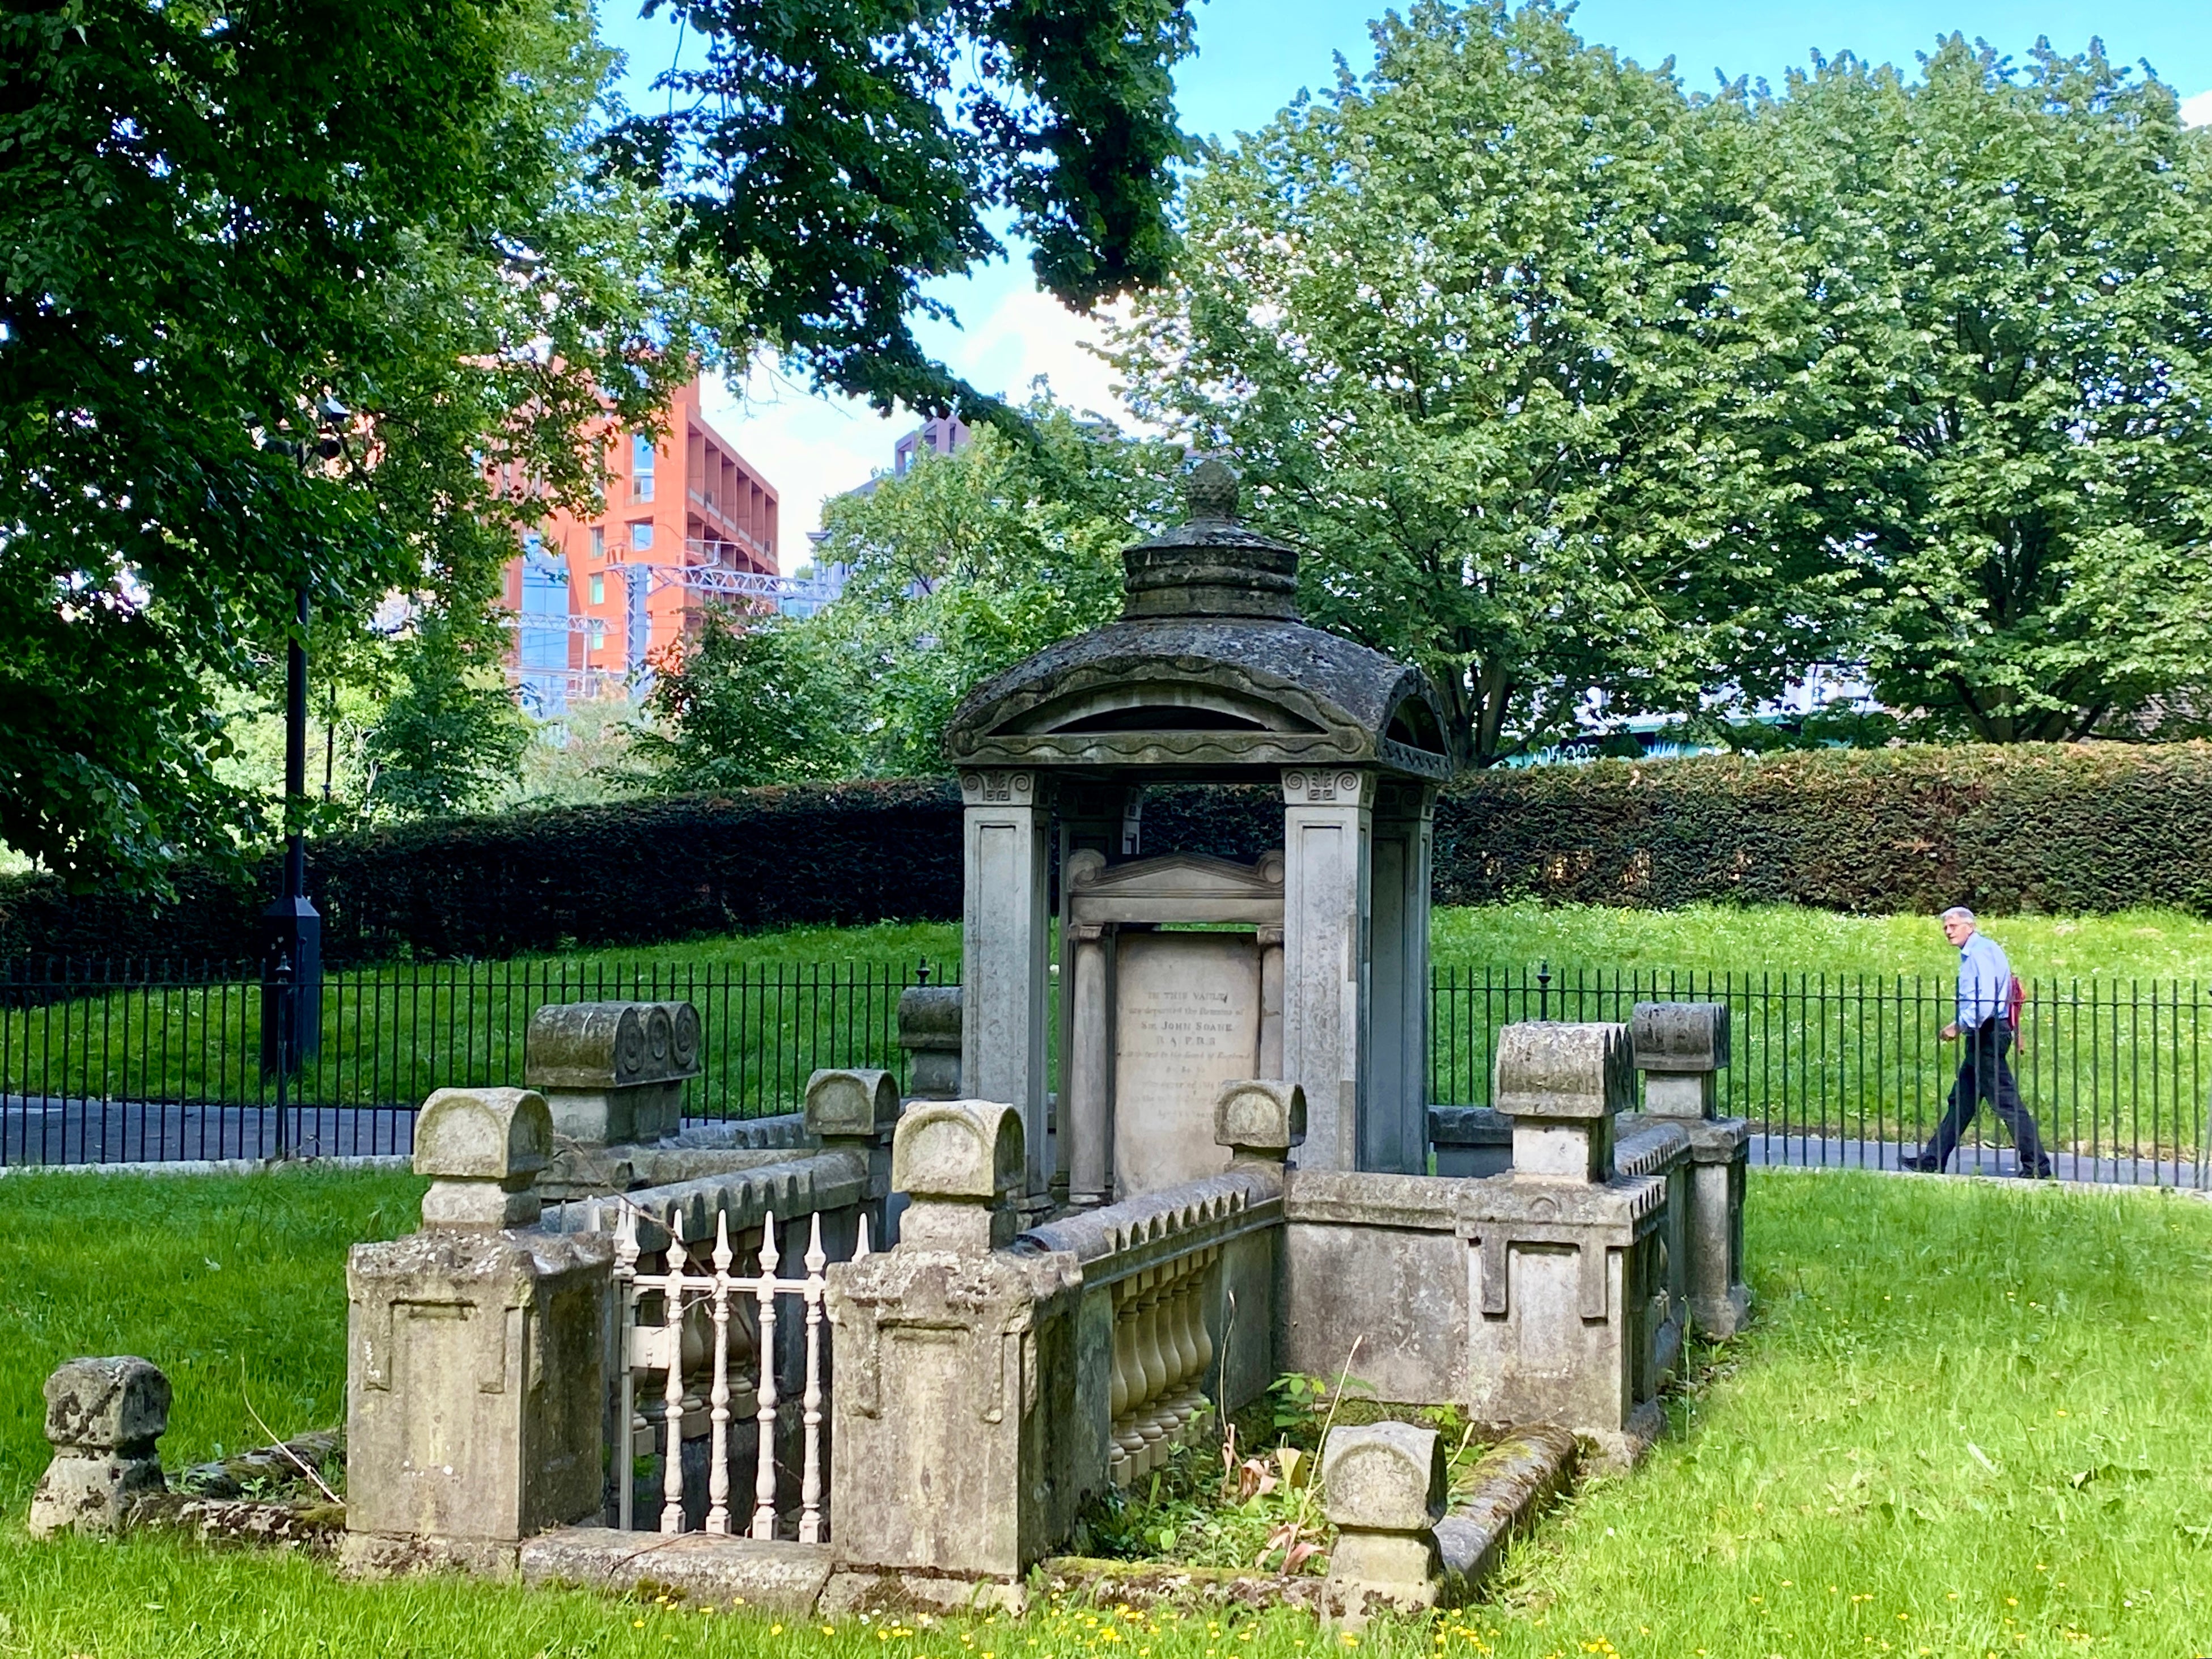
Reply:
x=1993 y=379
x=1467 y=322
x=974 y=560
x=2072 y=830
x=748 y=700
x=311 y=295
x=831 y=160
x=449 y=737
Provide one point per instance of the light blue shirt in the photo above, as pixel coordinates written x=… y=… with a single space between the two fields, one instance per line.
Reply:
x=1985 y=981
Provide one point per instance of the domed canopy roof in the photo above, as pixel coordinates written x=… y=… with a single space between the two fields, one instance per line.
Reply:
x=1210 y=672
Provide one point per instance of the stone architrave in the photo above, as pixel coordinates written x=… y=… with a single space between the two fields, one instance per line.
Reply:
x=103 y=1416
x=1679 y=1046
x=1003 y=945
x=477 y=1355
x=1186 y=1021
x=612 y=1072
x=1328 y=909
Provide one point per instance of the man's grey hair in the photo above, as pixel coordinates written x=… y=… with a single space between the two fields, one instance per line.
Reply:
x=1961 y=912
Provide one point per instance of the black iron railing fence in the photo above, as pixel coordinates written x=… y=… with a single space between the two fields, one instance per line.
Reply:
x=1850 y=1069
x=129 y=1061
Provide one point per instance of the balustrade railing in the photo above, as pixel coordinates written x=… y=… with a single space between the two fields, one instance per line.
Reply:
x=715 y=1331
x=1162 y=1352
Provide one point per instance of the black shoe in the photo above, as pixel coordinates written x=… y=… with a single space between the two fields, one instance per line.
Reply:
x=1923 y=1165
x=2043 y=1173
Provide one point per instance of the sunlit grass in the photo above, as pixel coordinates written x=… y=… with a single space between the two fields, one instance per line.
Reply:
x=1970 y=1421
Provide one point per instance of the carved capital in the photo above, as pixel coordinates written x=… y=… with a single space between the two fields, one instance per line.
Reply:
x=1328 y=786
x=994 y=787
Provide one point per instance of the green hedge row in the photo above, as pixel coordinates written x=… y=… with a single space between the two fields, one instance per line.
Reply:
x=2070 y=829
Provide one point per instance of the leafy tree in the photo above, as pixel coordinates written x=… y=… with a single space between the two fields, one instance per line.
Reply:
x=975 y=560
x=1468 y=323
x=832 y=159
x=448 y=736
x=1998 y=424
x=749 y=701
x=310 y=294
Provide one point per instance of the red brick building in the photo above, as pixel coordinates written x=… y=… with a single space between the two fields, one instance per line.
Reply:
x=684 y=522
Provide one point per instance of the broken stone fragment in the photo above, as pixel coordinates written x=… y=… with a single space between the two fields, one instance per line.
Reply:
x=103 y=1418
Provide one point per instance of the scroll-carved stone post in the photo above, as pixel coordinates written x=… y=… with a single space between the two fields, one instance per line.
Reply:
x=1383 y=1487
x=612 y=1072
x=929 y=1020
x=476 y=1353
x=1572 y=1297
x=103 y=1416
x=952 y=1357
x=1680 y=1046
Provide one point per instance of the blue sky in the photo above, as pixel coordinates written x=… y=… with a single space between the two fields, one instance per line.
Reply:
x=1254 y=55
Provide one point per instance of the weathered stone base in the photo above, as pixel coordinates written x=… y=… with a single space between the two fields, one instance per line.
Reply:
x=861 y=1592
x=90 y=1492
x=381 y=1555
x=1718 y=1318
x=779 y=1577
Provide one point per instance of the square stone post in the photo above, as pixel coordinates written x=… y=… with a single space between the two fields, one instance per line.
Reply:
x=1571 y=1301
x=477 y=1354
x=612 y=1072
x=1394 y=1130
x=1327 y=860
x=1679 y=1046
x=1383 y=1489
x=1003 y=957
x=955 y=1364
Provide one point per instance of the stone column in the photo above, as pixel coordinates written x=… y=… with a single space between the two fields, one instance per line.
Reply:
x=1383 y=1488
x=1270 y=941
x=1086 y=1084
x=956 y=1370
x=1328 y=822
x=103 y=1416
x=1394 y=1136
x=1094 y=817
x=1679 y=1046
x=477 y=1354
x=1003 y=956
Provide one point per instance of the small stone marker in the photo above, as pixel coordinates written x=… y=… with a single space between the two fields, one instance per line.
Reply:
x=1383 y=1489
x=483 y=1149
x=960 y=1164
x=1259 y=1119
x=103 y=1416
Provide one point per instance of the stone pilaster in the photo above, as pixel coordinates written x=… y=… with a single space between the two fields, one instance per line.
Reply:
x=1003 y=940
x=1327 y=825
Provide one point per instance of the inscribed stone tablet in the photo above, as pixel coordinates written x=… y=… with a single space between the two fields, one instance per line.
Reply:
x=1187 y=1020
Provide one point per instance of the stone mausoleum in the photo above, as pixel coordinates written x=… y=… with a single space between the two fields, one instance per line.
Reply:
x=1180 y=973
x=897 y=1342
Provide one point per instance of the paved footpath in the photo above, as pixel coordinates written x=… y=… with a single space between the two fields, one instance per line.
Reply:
x=1815 y=1151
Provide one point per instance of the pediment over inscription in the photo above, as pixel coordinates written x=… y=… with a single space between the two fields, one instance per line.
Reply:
x=1175 y=887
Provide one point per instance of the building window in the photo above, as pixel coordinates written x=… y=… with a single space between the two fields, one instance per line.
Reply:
x=598 y=637
x=640 y=468
x=598 y=541
x=598 y=587
x=641 y=537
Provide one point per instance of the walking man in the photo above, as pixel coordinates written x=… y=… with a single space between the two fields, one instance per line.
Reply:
x=1984 y=1023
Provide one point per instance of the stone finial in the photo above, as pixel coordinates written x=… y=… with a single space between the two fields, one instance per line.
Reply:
x=1679 y=1037
x=960 y=1163
x=613 y=1073
x=483 y=1149
x=851 y=1105
x=1210 y=492
x=1260 y=1118
x=929 y=1030
x=103 y=1418
x=1383 y=1488
x=1562 y=1085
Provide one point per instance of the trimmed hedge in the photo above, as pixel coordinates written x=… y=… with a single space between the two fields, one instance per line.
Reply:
x=2062 y=829
x=2071 y=829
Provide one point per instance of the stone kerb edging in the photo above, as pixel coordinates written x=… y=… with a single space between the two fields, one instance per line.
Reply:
x=1118 y=1240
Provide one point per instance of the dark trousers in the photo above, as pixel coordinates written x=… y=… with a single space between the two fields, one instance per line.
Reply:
x=1983 y=1074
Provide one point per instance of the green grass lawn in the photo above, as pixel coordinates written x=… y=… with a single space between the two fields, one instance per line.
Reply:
x=1971 y=1419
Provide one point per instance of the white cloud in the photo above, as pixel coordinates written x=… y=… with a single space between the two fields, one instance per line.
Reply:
x=2197 y=112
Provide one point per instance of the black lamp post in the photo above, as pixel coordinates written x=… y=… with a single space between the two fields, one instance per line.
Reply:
x=292 y=929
